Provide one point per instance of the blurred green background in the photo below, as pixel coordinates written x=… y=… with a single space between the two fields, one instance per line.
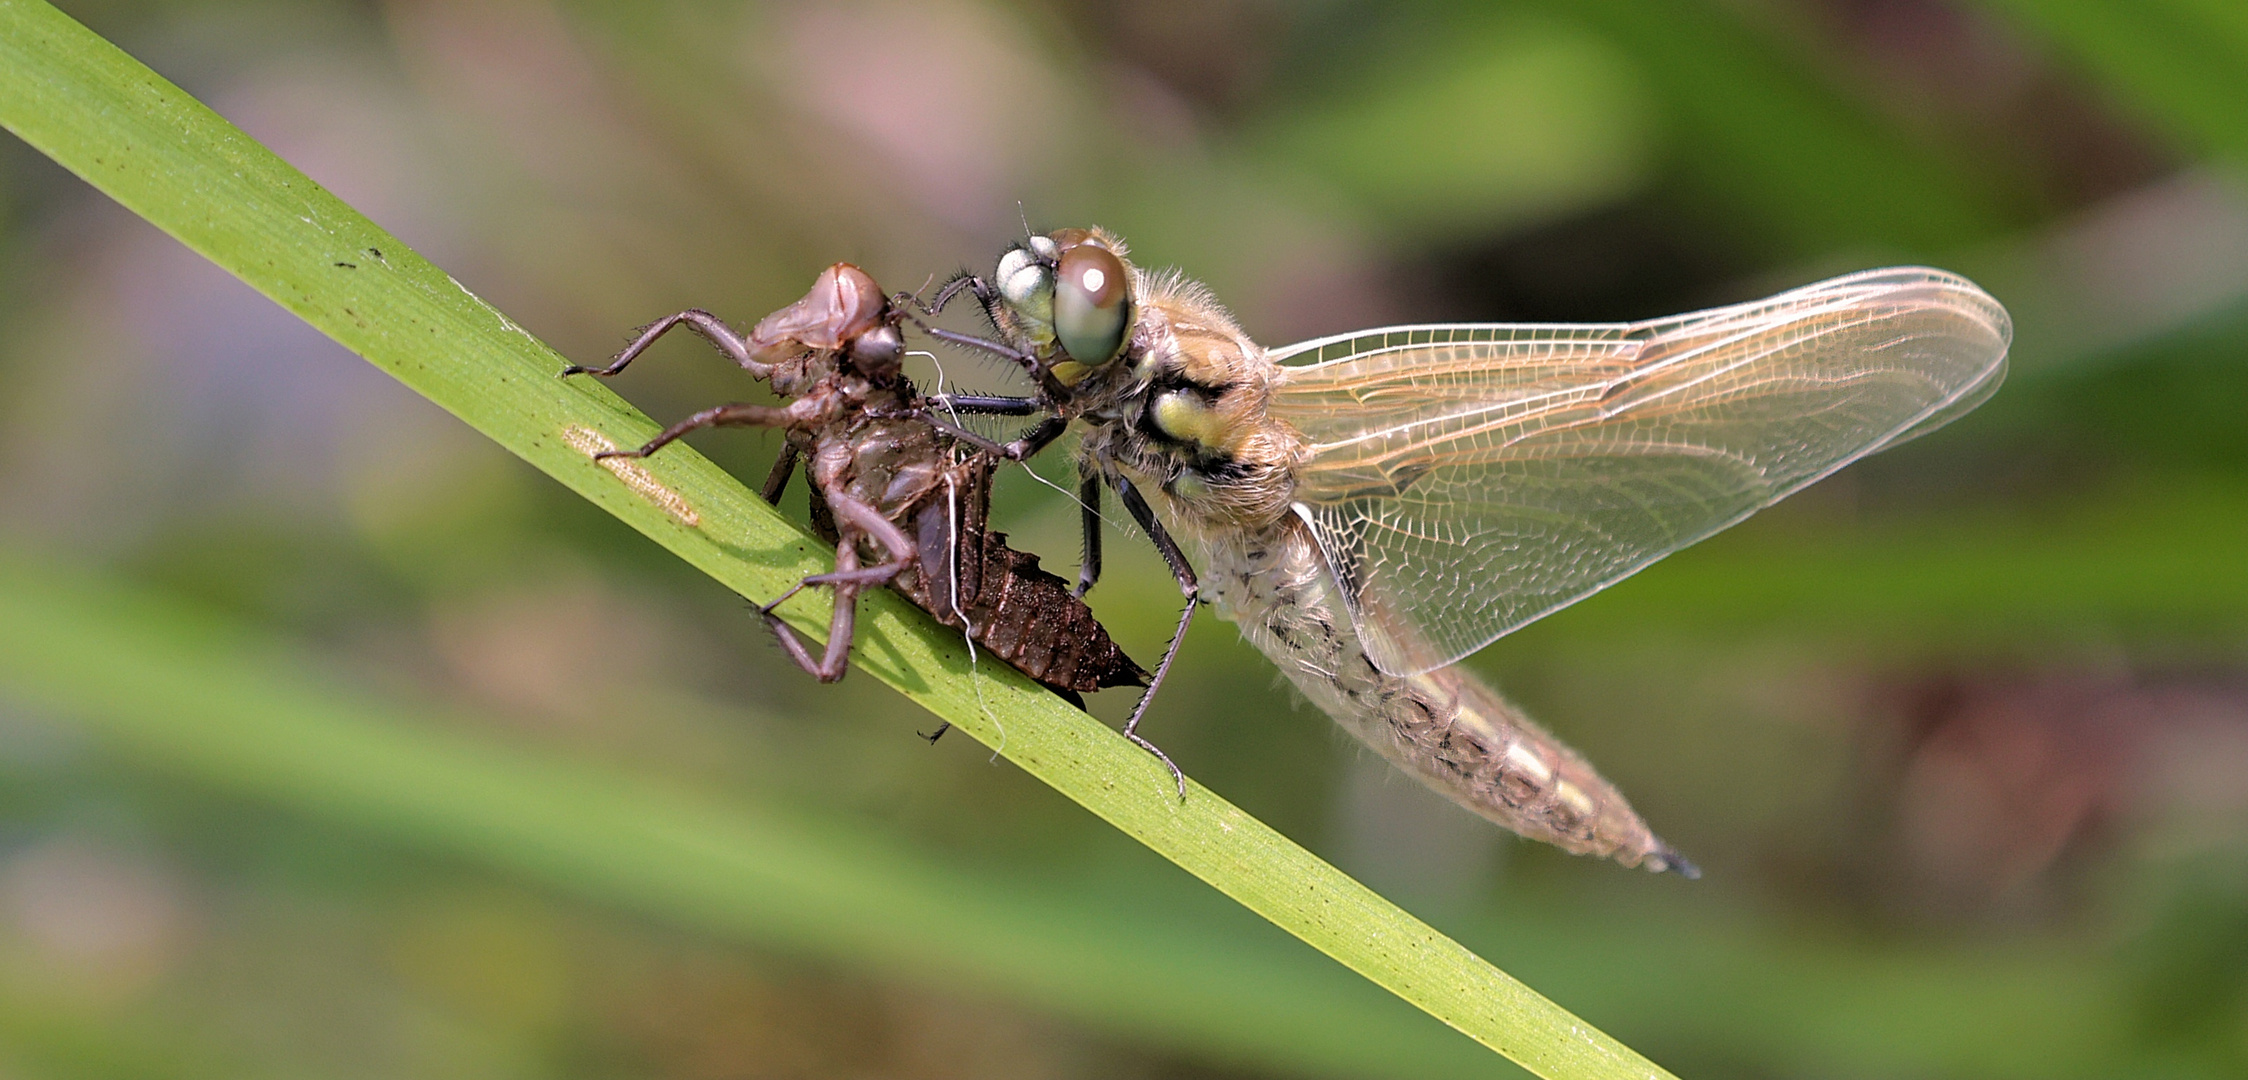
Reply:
x=335 y=741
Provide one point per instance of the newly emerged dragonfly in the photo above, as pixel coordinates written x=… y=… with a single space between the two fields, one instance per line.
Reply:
x=905 y=504
x=1372 y=507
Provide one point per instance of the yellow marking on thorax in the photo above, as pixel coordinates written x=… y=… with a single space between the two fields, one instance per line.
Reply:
x=1185 y=417
x=589 y=442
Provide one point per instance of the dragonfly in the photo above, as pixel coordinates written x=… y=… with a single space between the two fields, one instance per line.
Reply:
x=1370 y=508
x=905 y=504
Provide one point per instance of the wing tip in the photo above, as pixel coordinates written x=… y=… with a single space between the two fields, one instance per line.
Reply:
x=1947 y=289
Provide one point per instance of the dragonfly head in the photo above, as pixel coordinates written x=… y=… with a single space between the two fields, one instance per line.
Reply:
x=1069 y=295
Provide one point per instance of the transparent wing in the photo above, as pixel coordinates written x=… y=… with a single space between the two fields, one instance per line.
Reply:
x=1464 y=480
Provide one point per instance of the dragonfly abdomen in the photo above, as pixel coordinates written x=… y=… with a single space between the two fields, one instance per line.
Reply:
x=1447 y=728
x=1027 y=617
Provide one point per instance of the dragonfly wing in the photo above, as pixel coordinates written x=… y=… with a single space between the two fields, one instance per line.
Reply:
x=1465 y=480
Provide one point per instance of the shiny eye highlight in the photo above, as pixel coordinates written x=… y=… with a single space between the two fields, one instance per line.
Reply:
x=1092 y=304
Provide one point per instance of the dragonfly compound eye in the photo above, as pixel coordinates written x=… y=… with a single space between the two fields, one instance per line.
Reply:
x=1027 y=284
x=1092 y=304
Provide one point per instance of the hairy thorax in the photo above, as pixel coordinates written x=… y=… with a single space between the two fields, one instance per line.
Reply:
x=1187 y=415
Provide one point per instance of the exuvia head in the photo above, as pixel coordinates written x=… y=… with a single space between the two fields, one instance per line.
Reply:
x=1070 y=288
x=845 y=312
x=864 y=323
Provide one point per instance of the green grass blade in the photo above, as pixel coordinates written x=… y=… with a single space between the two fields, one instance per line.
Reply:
x=181 y=691
x=166 y=157
x=188 y=692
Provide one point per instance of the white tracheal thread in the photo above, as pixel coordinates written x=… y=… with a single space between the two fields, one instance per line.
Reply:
x=939 y=365
x=952 y=511
x=1101 y=516
x=968 y=634
x=968 y=631
x=1034 y=473
x=1104 y=519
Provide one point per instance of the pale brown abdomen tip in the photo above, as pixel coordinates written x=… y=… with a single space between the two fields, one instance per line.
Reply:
x=1668 y=860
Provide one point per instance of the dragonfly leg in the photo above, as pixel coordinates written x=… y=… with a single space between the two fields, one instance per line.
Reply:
x=701 y=322
x=987 y=297
x=830 y=665
x=961 y=282
x=1031 y=442
x=1181 y=570
x=962 y=434
x=1089 y=523
x=735 y=415
x=783 y=467
x=853 y=519
x=984 y=404
x=1024 y=360
x=1037 y=438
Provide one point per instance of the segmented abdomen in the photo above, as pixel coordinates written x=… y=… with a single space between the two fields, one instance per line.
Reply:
x=1447 y=728
x=969 y=579
x=1023 y=615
